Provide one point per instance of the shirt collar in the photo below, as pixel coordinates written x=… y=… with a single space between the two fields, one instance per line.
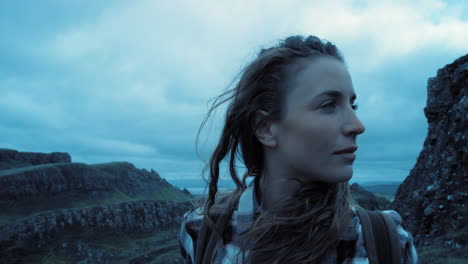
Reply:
x=248 y=205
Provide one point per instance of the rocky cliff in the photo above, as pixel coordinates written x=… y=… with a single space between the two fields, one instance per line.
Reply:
x=44 y=187
x=138 y=216
x=432 y=199
x=85 y=213
x=10 y=158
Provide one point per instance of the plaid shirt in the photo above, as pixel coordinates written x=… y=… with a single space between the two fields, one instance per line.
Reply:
x=243 y=218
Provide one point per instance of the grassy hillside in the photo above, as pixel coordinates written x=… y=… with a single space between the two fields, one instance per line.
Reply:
x=35 y=190
x=13 y=209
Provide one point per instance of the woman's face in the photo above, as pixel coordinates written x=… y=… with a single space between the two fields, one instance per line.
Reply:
x=316 y=137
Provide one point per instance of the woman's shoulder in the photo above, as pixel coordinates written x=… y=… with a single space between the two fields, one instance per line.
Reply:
x=190 y=227
x=396 y=217
x=191 y=224
x=192 y=219
x=406 y=239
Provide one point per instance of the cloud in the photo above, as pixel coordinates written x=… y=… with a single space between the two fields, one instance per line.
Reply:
x=131 y=80
x=110 y=146
x=384 y=30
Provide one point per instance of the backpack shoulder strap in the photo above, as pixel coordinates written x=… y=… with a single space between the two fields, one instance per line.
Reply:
x=393 y=238
x=368 y=234
x=380 y=237
x=208 y=239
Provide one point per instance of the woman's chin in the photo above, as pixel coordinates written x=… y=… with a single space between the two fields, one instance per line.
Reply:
x=343 y=176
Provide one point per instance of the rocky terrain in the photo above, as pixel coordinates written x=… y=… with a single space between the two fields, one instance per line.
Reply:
x=432 y=199
x=56 y=211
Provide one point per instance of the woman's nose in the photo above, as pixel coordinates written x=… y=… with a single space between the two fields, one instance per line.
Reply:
x=354 y=126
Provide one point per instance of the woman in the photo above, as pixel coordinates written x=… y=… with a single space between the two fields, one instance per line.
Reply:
x=291 y=120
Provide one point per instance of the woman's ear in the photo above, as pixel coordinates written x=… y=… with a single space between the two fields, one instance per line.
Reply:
x=264 y=132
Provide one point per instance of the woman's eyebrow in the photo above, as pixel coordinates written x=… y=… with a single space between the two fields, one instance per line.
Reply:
x=335 y=93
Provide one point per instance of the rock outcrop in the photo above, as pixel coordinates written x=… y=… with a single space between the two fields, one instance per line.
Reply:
x=74 y=212
x=65 y=185
x=10 y=158
x=432 y=199
x=134 y=181
x=137 y=216
x=52 y=179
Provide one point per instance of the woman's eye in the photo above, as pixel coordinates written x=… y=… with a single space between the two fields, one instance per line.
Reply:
x=331 y=104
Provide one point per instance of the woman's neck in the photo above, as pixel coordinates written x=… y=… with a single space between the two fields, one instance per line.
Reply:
x=273 y=189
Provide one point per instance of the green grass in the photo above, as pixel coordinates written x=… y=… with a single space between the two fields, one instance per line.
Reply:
x=169 y=194
x=116 y=197
x=389 y=197
x=29 y=168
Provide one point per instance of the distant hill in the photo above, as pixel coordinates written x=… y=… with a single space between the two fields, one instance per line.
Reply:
x=367 y=199
x=389 y=188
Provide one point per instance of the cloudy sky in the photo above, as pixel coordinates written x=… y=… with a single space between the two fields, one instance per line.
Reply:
x=131 y=80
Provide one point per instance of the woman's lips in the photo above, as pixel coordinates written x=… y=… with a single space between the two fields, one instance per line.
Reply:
x=347 y=155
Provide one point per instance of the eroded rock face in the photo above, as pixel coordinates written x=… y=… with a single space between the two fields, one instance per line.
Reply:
x=432 y=199
x=51 y=179
x=137 y=216
x=10 y=158
x=75 y=211
x=136 y=181
x=59 y=185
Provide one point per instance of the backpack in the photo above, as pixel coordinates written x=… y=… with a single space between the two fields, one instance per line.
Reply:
x=380 y=235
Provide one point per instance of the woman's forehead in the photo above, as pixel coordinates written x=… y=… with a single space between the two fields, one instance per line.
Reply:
x=313 y=76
